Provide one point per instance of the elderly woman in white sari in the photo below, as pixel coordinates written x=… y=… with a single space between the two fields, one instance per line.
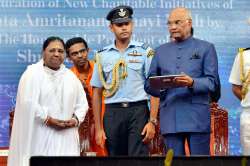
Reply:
x=49 y=107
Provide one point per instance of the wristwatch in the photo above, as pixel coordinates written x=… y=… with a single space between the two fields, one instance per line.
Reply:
x=154 y=121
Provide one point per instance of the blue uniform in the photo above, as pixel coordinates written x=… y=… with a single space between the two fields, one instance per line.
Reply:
x=185 y=110
x=138 y=62
x=126 y=111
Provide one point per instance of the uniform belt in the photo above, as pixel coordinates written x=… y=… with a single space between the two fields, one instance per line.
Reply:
x=127 y=104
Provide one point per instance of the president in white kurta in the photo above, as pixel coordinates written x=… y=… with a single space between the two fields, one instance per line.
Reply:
x=49 y=106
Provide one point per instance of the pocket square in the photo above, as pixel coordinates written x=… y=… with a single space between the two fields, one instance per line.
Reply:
x=195 y=56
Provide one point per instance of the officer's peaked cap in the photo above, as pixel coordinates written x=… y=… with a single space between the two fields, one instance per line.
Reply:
x=120 y=14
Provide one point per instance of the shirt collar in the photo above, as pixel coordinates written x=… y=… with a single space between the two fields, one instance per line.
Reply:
x=131 y=44
x=184 y=42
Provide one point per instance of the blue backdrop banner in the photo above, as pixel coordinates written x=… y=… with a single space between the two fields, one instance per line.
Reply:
x=25 y=24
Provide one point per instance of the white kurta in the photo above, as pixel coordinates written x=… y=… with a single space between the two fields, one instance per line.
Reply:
x=43 y=92
x=245 y=103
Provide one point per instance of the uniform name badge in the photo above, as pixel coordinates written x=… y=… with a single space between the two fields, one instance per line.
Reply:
x=134 y=61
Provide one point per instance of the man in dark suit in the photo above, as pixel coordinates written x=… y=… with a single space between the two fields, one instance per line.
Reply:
x=184 y=111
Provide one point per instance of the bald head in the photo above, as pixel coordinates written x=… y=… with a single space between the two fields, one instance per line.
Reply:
x=180 y=24
x=180 y=12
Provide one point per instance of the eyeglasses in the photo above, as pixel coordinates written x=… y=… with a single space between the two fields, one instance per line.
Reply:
x=176 y=22
x=81 y=51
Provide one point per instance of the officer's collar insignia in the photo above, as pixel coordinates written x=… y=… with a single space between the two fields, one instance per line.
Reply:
x=122 y=13
x=195 y=56
x=101 y=50
x=151 y=53
x=134 y=53
x=145 y=46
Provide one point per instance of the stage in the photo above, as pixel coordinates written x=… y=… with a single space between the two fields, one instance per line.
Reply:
x=140 y=161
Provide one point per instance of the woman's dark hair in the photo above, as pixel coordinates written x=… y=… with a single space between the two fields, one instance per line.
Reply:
x=51 y=39
x=73 y=41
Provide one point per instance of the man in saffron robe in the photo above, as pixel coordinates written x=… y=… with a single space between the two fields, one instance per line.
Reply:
x=77 y=51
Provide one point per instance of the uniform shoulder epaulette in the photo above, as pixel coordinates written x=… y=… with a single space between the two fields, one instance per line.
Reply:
x=97 y=55
x=246 y=48
x=101 y=50
x=145 y=46
x=241 y=50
